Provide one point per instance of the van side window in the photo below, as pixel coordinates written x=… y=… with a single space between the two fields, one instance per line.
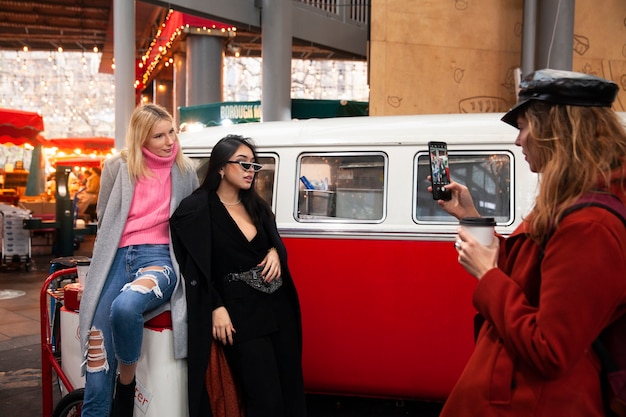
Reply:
x=345 y=186
x=489 y=177
x=264 y=182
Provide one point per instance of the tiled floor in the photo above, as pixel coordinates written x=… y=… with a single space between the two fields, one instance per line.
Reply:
x=20 y=314
x=20 y=340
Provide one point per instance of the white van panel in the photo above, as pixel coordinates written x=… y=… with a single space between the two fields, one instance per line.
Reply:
x=400 y=137
x=386 y=308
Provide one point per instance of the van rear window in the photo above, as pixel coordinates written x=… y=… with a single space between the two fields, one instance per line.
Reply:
x=487 y=175
x=264 y=182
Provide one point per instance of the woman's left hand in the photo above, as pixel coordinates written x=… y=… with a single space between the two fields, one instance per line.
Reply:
x=271 y=266
x=476 y=258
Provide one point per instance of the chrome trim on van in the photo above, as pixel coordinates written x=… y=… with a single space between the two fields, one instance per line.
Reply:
x=442 y=236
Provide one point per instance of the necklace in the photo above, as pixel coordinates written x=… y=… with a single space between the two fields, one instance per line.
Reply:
x=228 y=204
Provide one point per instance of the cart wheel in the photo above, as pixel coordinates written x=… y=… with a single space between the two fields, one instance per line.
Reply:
x=70 y=405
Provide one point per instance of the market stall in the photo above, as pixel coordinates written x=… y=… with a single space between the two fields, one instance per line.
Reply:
x=19 y=127
x=29 y=171
x=20 y=141
x=78 y=161
x=82 y=154
x=96 y=144
x=61 y=222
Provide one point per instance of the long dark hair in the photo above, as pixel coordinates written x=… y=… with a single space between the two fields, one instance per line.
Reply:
x=221 y=153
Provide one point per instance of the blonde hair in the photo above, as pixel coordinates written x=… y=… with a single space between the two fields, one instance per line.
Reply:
x=577 y=149
x=142 y=121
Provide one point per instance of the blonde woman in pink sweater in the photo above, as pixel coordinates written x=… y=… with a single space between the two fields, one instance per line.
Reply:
x=133 y=273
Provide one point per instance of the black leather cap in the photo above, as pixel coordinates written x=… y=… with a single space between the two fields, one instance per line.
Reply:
x=562 y=87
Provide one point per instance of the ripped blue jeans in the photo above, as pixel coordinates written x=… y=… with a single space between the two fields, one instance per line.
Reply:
x=118 y=322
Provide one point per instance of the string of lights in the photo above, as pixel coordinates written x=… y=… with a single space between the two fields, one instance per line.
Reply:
x=64 y=87
x=76 y=100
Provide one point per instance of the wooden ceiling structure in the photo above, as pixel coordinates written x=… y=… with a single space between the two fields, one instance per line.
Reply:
x=73 y=25
x=82 y=25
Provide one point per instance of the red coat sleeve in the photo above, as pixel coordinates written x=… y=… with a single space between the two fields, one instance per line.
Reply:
x=581 y=289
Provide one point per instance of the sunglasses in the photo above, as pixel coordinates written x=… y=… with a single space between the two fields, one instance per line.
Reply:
x=247 y=165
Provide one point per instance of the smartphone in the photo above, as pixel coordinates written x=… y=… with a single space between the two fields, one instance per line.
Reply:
x=439 y=170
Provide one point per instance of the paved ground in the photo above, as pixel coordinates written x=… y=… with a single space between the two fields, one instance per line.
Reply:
x=20 y=340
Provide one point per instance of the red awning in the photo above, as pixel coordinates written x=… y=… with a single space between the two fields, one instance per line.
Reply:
x=79 y=161
x=97 y=143
x=19 y=127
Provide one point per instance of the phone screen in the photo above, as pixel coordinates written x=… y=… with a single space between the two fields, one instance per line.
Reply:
x=439 y=170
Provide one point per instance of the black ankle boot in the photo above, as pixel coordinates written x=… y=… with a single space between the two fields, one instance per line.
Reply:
x=124 y=399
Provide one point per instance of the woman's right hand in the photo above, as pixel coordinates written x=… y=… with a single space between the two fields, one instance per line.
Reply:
x=461 y=204
x=223 y=328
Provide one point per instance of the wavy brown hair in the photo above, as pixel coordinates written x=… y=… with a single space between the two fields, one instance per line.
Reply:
x=578 y=148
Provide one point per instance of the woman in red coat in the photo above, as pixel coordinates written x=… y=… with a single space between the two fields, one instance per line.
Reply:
x=543 y=308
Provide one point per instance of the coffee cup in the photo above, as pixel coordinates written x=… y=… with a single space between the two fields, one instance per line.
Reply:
x=481 y=228
x=82 y=268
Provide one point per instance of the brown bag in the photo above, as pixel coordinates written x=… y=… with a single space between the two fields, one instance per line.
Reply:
x=224 y=395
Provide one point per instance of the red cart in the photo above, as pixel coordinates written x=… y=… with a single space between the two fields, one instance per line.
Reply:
x=51 y=300
x=161 y=379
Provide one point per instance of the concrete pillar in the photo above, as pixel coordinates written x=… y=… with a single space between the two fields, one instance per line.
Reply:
x=529 y=32
x=163 y=95
x=277 y=33
x=555 y=34
x=205 y=67
x=180 y=85
x=124 y=53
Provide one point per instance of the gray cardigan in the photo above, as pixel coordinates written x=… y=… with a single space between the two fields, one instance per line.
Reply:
x=116 y=193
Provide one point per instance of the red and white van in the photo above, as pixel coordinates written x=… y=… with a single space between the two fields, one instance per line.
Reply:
x=386 y=309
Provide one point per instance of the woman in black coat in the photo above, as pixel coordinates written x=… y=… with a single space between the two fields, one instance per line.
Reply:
x=239 y=290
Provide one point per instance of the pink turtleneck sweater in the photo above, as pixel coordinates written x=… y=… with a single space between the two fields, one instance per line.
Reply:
x=148 y=218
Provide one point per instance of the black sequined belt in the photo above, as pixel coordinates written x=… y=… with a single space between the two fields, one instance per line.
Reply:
x=254 y=279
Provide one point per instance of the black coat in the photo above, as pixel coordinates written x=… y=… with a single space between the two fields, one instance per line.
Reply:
x=191 y=238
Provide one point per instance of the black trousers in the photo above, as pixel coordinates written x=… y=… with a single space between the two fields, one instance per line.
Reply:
x=268 y=370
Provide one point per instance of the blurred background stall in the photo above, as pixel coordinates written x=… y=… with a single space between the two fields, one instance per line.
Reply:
x=81 y=154
x=20 y=153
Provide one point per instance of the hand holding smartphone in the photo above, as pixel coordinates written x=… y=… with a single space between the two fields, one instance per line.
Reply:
x=439 y=170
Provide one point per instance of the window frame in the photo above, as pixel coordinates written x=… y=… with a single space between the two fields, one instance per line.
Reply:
x=198 y=159
x=334 y=219
x=445 y=218
x=275 y=179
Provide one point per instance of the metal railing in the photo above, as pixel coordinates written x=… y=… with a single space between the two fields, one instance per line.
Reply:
x=356 y=11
